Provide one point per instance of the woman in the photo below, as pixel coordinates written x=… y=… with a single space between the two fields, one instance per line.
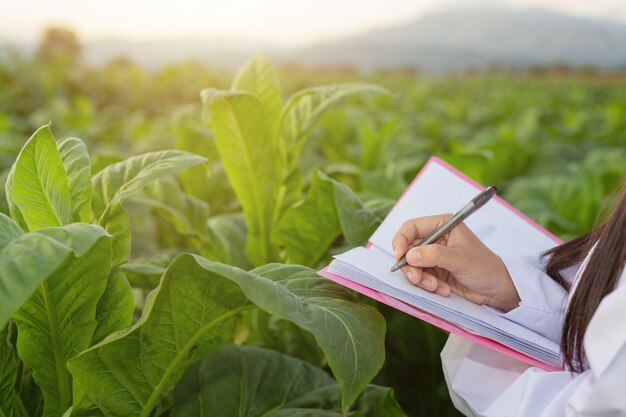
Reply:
x=575 y=294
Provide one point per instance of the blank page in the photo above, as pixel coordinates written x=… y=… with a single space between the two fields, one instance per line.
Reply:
x=437 y=190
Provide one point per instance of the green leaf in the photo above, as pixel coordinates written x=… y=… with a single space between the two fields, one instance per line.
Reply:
x=308 y=229
x=4 y=205
x=187 y=214
x=59 y=320
x=387 y=184
x=307 y=412
x=350 y=334
x=9 y=231
x=374 y=401
x=378 y=401
x=358 y=222
x=258 y=77
x=117 y=182
x=75 y=158
x=192 y=136
x=289 y=192
x=37 y=187
x=375 y=139
x=24 y=263
x=9 y=369
x=13 y=210
x=115 y=308
x=189 y=315
x=232 y=228
x=233 y=382
x=211 y=95
x=303 y=109
x=250 y=157
x=143 y=275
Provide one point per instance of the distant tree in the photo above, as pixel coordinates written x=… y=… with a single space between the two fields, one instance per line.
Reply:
x=59 y=46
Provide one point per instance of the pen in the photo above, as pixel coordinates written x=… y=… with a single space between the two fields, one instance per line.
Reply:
x=476 y=203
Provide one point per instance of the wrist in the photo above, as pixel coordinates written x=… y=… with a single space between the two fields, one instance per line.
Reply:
x=507 y=297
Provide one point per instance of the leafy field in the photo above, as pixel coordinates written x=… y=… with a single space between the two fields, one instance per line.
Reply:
x=161 y=234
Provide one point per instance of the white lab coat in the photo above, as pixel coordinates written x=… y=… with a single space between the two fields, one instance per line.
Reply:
x=483 y=382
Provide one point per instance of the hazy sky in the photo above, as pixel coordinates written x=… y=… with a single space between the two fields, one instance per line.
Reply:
x=287 y=22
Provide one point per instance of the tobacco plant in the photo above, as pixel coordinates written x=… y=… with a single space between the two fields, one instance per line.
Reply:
x=69 y=343
x=259 y=140
x=283 y=211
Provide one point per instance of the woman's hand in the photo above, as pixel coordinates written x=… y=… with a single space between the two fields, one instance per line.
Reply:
x=459 y=262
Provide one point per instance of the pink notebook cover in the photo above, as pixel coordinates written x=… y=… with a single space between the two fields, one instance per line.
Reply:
x=434 y=320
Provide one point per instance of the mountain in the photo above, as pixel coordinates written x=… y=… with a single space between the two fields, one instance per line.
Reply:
x=477 y=39
x=444 y=42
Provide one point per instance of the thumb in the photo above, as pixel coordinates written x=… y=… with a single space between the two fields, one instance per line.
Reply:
x=432 y=256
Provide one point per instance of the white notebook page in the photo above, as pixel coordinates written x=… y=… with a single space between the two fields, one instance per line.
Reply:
x=370 y=267
x=438 y=190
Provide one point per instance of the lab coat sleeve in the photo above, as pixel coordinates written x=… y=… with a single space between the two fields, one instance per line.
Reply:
x=486 y=383
x=543 y=300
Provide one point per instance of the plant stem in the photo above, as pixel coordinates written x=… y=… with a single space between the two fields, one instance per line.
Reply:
x=20 y=404
x=57 y=348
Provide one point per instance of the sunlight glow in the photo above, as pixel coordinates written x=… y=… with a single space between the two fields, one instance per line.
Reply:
x=282 y=22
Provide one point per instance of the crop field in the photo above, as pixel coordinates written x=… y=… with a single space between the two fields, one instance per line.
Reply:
x=160 y=231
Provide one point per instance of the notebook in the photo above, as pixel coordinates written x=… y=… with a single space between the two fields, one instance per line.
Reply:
x=439 y=188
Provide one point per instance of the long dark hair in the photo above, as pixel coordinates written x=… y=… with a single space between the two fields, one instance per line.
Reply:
x=598 y=279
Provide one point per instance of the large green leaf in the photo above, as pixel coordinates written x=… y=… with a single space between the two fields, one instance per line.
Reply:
x=189 y=315
x=234 y=382
x=9 y=231
x=357 y=221
x=9 y=367
x=75 y=158
x=8 y=191
x=4 y=205
x=143 y=275
x=116 y=306
x=251 y=160
x=374 y=138
x=24 y=263
x=304 y=108
x=307 y=230
x=37 y=187
x=187 y=214
x=258 y=77
x=59 y=319
x=117 y=182
x=350 y=334
x=192 y=136
x=248 y=381
x=232 y=228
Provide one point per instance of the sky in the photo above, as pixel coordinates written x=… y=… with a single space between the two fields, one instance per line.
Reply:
x=282 y=22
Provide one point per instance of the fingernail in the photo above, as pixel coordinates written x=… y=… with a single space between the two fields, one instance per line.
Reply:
x=412 y=276
x=395 y=252
x=413 y=257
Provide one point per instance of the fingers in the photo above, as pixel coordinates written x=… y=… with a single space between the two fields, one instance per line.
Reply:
x=426 y=280
x=436 y=256
x=415 y=229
